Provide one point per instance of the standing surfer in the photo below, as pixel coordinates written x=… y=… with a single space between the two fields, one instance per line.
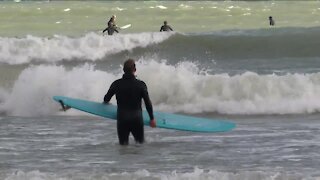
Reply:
x=112 y=27
x=129 y=93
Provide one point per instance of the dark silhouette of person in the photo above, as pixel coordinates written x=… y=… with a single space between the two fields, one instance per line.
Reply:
x=165 y=27
x=112 y=27
x=271 y=21
x=129 y=93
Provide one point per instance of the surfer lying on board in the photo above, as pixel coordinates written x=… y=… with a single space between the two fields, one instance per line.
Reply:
x=165 y=27
x=129 y=92
x=112 y=27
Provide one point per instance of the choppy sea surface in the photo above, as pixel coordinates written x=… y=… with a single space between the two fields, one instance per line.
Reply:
x=222 y=61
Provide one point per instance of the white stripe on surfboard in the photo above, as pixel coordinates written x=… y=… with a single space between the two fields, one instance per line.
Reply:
x=125 y=26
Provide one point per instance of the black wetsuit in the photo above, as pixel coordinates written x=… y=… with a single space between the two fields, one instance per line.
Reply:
x=111 y=27
x=271 y=22
x=129 y=92
x=166 y=28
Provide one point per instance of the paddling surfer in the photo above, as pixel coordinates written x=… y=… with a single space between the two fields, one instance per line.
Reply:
x=112 y=27
x=129 y=93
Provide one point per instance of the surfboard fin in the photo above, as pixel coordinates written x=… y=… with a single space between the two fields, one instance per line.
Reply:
x=64 y=107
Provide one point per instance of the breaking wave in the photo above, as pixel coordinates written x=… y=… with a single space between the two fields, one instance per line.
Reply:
x=228 y=44
x=173 y=88
x=90 y=47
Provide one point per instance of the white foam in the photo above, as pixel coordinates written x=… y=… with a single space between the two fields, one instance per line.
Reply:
x=186 y=88
x=199 y=174
x=161 y=7
x=119 y=9
x=3 y=96
x=183 y=87
x=90 y=47
x=184 y=6
x=32 y=92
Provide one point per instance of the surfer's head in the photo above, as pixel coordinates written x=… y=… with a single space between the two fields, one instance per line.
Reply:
x=129 y=67
x=165 y=22
x=113 y=16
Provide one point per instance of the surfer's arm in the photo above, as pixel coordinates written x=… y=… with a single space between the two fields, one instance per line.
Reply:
x=147 y=101
x=105 y=29
x=110 y=93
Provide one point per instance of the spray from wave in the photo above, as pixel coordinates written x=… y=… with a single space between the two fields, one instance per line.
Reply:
x=180 y=88
x=187 y=88
x=33 y=90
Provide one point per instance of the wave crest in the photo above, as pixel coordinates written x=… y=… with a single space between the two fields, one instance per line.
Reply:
x=90 y=47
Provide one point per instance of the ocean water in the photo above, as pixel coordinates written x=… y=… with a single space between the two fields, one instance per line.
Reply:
x=222 y=61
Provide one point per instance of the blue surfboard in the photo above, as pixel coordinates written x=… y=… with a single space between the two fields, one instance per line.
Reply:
x=163 y=120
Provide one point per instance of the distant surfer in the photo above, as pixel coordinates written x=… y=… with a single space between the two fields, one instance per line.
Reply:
x=112 y=27
x=271 y=21
x=165 y=27
x=129 y=93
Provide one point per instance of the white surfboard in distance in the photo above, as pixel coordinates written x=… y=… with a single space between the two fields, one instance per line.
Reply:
x=125 y=26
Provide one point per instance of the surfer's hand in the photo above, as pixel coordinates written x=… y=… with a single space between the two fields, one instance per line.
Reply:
x=65 y=108
x=106 y=102
x=153 y=123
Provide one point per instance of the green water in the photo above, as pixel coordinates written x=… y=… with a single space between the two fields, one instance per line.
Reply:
x=75 y=18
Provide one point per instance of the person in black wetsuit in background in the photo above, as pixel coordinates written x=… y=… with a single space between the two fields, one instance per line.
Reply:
x=112 y=27
x=271 y=21
x=165 y=27
x=129 y=92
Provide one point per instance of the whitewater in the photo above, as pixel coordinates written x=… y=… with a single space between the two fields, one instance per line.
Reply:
x=223 y=61
x=44 y=67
